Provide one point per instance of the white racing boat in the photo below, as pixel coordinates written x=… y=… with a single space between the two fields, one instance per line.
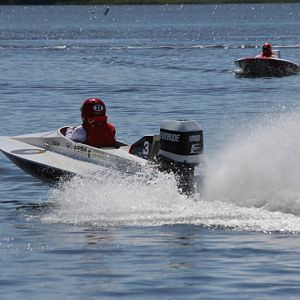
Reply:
x=51 y=156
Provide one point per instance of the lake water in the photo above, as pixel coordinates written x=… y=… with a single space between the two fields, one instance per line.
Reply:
x=124 y=238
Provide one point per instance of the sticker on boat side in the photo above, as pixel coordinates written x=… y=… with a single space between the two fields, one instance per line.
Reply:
x=28 y=151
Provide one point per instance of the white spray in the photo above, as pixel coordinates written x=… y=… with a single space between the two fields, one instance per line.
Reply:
x=260 y=168
x=252 y=184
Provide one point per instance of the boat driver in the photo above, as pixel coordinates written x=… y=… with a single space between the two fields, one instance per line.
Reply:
x=95 y=130
x=266 y=51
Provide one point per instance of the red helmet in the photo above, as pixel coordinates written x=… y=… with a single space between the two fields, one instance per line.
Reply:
x=267 y=49
x=93 y=110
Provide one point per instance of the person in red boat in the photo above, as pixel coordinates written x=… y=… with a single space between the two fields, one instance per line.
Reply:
x=95 y=130
x=266 y=51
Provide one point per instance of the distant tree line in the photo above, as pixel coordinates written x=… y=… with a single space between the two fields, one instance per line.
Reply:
x=27 y=2
x=50 y=2
x=112 y=2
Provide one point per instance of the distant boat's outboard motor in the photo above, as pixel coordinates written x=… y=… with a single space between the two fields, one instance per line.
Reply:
x=181 y=146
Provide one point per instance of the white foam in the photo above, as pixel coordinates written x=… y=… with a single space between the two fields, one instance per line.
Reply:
x=252 y=184
x=113 y=199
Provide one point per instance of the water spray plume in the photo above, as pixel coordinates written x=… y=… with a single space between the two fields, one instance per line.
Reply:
x=252 y=184
x=260 y=168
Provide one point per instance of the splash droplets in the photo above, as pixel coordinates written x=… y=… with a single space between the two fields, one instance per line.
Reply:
x=252 y=184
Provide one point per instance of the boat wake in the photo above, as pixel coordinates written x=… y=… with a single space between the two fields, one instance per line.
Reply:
x=143 y=199
x=251 y=185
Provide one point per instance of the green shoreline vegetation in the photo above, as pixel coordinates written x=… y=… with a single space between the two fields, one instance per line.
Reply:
x=136 y=2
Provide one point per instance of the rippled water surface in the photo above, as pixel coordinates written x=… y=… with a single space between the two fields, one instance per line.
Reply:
x=112 y=237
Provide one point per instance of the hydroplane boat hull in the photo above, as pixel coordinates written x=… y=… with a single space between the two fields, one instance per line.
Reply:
x=266 y=67
x=51 y=156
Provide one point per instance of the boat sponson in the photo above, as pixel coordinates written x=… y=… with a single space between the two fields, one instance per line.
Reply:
x=38 y=170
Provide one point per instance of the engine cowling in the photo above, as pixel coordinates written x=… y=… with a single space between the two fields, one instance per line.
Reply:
x=181 y=142
x=177 y=149
x=181 y=146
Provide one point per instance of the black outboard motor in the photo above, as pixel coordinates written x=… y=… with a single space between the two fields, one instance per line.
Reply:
x=178 y=149
x=181 y=146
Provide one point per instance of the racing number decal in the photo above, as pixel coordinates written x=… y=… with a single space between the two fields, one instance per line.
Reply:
x=146 y=148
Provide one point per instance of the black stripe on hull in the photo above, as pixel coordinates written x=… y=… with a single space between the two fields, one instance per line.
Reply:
x=43 y=172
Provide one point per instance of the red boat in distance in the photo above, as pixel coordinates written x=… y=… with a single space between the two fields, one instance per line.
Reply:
x=266 y=67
